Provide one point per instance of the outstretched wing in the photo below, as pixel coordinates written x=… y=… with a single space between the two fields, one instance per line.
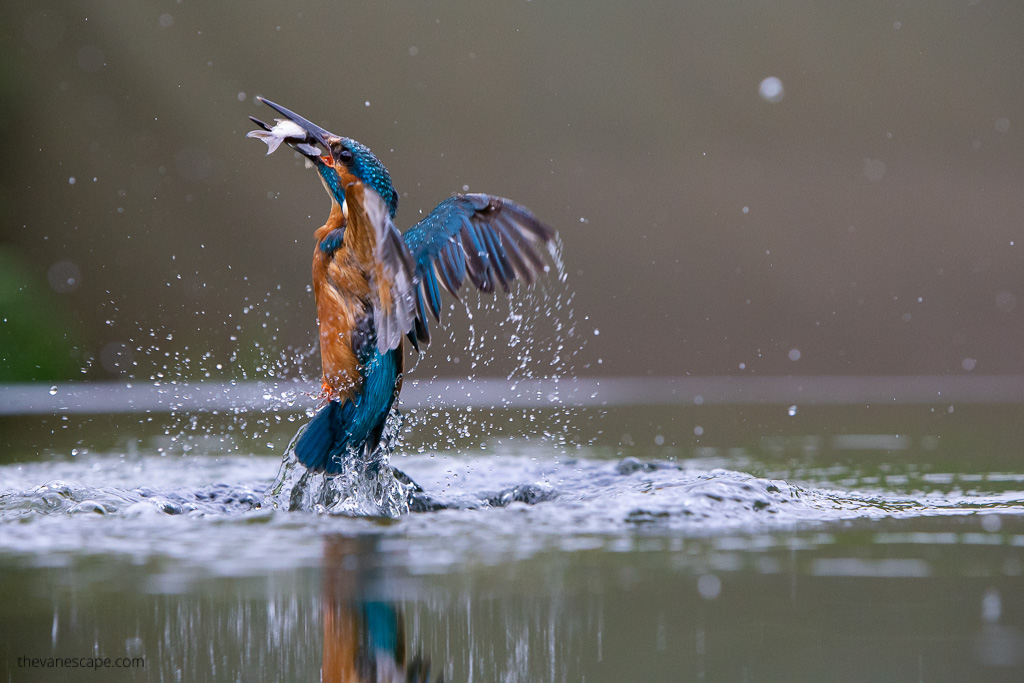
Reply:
x=487 y=238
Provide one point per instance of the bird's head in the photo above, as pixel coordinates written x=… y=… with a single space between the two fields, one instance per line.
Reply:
x=339 y=160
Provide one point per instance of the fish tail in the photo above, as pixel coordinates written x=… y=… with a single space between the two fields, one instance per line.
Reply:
x=272 y=139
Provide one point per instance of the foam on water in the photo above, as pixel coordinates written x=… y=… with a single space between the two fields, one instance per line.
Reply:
x=211 y=515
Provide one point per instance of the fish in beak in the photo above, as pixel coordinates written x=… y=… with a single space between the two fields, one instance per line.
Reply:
x=295 y=131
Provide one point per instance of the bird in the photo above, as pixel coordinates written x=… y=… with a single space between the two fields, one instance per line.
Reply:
x=375 y=287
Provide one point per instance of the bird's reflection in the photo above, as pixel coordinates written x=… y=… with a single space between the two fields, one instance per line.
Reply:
x=364 y=639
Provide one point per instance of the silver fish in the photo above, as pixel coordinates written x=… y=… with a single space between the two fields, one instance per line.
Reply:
x=283 y=131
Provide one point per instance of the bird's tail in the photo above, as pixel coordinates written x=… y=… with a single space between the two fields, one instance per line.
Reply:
x=321 y=438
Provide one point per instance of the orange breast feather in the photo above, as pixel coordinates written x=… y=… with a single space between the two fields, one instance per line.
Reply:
x=341 y=285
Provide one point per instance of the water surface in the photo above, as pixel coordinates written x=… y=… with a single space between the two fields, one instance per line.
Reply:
x=686 y=542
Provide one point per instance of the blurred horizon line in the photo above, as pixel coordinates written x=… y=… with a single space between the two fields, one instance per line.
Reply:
x=498 y=393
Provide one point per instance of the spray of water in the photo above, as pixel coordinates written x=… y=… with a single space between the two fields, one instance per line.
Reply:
x=366 y=486
x=531 y=334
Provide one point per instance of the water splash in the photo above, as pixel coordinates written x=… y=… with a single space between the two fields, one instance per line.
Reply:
x=248 y=347
x=536 y=324
x=530 y=334
x=365 y=488
x=507 y=505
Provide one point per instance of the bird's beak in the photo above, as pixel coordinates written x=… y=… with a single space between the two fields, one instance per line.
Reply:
x=315 y=134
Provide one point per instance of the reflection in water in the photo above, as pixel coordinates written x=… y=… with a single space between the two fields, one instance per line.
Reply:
x=787 y=605
x=364 y=639
x=997 y=645
x=828 y=565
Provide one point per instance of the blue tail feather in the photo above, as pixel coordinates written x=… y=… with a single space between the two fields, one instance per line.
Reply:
x=322 y=436
x=352 y=427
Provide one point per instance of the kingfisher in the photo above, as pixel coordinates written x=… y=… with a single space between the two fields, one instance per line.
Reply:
x=374 y=285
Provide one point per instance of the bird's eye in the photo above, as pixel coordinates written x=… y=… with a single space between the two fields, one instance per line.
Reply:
x=345 y=155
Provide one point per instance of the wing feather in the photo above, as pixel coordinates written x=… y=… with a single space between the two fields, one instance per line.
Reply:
x=501 y=267
x=393 y=289
x=476 y=257
x=481 y=237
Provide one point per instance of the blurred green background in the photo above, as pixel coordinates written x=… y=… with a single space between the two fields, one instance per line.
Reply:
x=871 y=221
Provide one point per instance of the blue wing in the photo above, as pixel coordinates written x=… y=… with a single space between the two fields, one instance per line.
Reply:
x=487 y=238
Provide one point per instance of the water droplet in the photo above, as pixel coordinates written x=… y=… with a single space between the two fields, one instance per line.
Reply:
x=792 y=411
x=794 y=354
x=991 y=523
x=64 y=277
x=991 y=606
x=771 y=90
x=709 y=586
x=874 y=169
x=53 y=391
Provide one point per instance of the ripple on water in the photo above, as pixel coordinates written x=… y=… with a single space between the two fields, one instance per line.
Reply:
x=212 y=513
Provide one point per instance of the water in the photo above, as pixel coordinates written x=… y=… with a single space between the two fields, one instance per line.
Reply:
x=367 y=484
x=843 y=543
